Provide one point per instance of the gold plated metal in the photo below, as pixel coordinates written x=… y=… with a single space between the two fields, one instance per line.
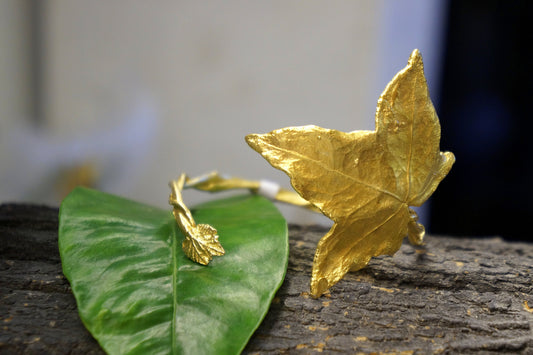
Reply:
x=214 y=182
x=201 y=240
x=365 y=181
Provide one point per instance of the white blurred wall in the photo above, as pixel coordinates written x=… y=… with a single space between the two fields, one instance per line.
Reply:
x=15 y=92
x=197 y=76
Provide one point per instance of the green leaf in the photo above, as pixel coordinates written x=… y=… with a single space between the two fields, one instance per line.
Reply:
x=138 y=293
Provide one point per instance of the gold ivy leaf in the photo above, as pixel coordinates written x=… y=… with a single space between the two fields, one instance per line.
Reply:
x=201 y=244
x=201 y=240
x=365 y=181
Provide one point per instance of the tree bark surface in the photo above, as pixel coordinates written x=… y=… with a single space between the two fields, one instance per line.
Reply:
x=450 y=296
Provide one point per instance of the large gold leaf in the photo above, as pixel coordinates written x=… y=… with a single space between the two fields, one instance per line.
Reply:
x=365 y=181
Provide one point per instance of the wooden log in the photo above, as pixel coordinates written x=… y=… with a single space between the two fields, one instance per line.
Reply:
x=451 y=296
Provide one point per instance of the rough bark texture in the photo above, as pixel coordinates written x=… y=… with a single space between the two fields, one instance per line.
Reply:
x=452 y=296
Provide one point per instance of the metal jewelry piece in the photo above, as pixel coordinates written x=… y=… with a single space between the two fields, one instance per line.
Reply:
x=201 y=240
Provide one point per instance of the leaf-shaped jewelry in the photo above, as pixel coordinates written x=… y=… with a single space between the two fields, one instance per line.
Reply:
x=137 y=292
x=201 y=240
x=365 y=181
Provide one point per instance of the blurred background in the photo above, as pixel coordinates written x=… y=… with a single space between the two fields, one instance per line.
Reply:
x=123 y=96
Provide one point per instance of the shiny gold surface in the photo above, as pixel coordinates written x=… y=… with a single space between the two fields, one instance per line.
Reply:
x=365 y=181
x=201 y=241
x=214 y=182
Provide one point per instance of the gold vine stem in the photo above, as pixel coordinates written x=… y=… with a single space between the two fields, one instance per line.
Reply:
x=214 y=182
x=201 y=240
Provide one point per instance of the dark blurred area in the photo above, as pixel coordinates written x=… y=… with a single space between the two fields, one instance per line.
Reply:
x=486 y=121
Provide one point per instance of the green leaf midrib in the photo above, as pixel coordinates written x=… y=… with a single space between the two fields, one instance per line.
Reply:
x=174 y=265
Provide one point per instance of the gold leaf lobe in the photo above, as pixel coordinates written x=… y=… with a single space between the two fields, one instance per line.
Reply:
x=365 y=181
x=201 y=244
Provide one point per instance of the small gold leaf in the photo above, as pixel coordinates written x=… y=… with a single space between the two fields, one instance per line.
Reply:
x=201 y=244
x=365 y=181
